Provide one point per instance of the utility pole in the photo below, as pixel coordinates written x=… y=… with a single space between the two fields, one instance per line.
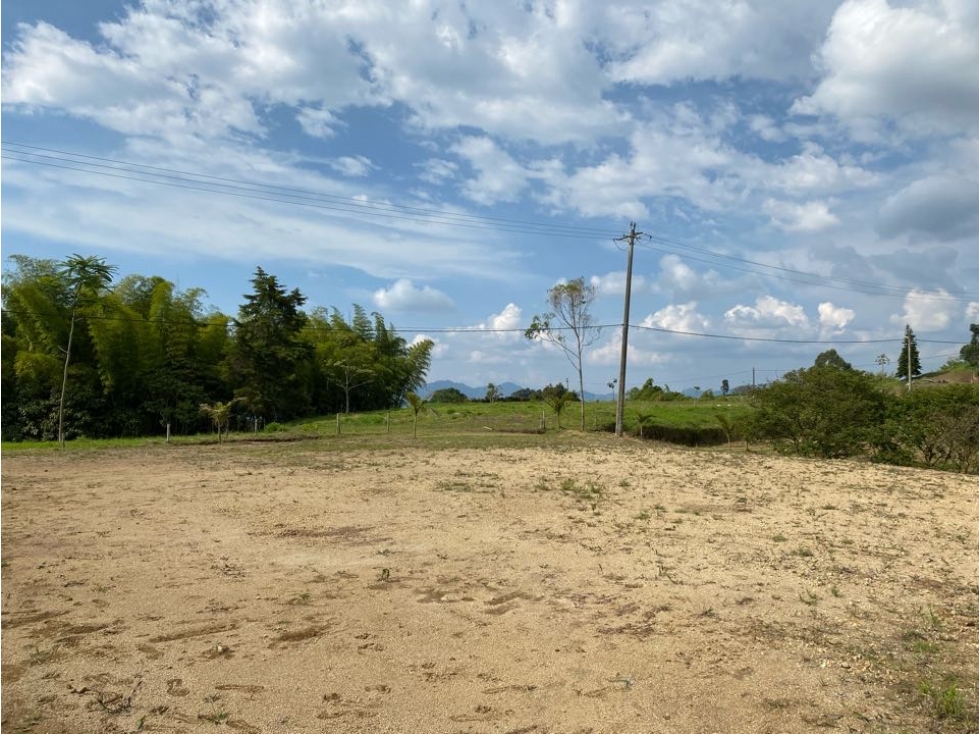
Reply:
x=907 y=336
x=907 y=345
x=620 y=404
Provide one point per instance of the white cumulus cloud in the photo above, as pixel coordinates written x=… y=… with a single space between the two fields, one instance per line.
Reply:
x=767 y=311
x=925 y=310
x=506 y=323
x=610 y=353
x=440 y=348
x=834 y=318
x=508 y=318
x=813 y=216
x=498 y=176
x=403 y=295
x=613 y=284
x=678 y=317
x=916 y=63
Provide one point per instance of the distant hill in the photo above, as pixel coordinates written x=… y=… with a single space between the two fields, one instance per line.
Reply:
x=478 y=393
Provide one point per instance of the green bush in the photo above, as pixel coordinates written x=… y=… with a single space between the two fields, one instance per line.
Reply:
x=448 y=395
x=820 y=411
x=936 y=427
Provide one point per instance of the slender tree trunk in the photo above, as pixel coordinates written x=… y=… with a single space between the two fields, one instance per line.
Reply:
x=581 y=387
x=64 y=385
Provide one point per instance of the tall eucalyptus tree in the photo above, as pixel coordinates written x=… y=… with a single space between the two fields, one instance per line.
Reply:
x=87 y=279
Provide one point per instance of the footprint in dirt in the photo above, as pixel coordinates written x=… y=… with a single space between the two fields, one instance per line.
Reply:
x=175 y=687
x=507 y=602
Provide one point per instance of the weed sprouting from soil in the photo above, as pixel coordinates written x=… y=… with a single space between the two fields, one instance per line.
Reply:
x=947 y=700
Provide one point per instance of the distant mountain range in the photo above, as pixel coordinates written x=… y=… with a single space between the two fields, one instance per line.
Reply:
x=508 y=388
x=478 y=393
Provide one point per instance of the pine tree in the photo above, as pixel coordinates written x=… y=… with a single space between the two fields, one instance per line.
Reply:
x=970 y=352
x=914 y=362
x=270 y=364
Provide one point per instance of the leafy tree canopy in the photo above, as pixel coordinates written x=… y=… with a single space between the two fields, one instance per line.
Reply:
x=448 y=395
x=831 y=358
x=822 y=411
x=569 y=325
x=970 y=352
x=144 y=354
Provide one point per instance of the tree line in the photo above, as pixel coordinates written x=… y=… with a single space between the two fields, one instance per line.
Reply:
x=84 y=355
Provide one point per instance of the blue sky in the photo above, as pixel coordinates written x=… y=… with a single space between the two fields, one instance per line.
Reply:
x=807 y=170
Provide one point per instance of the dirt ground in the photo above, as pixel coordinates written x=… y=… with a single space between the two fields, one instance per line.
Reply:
x=613 y=588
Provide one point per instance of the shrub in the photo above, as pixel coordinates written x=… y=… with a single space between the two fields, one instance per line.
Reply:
x=936 y=427
x=820 y=411
x=448 y=395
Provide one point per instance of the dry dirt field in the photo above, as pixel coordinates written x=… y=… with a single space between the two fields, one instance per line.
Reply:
x=606 y=587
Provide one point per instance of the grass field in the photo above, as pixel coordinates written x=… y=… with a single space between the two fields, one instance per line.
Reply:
x=530 y=416
x=455 y=422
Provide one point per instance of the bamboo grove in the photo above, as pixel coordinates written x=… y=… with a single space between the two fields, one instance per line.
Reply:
x=129 y=357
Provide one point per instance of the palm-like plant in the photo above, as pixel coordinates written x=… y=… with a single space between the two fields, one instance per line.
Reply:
x=86 y=277
x=643 y=418
x=557 y=403
x=416 y=403
x=220 y=415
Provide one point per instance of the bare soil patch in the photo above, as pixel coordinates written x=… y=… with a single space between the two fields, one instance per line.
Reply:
x=617 y=588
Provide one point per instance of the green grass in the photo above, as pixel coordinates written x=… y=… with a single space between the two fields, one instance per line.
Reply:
x=449 y=425
x=507 y=417
x=685 y=413
x=947 y=700
x=79 y=444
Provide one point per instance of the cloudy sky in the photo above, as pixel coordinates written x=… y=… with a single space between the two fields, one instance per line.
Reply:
x=805 y=171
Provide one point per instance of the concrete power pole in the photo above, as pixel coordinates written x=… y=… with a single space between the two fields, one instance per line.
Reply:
x=907 y=336
x=620 y=402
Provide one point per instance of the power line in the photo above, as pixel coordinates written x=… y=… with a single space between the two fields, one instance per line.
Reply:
x=791 y=271
x=176 y=178
x=781 y=341
x=493 y=330
x=813 y=279
x=241 y=188
x=304 y=204
x=332 y=197
x=687 y=380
